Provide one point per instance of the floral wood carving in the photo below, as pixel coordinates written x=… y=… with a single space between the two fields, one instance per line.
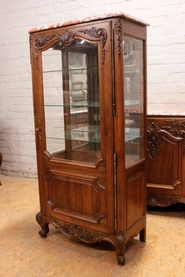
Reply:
x=176 y=122
x=155 y=134
x=40 y=43
x=118 y=30
x=78 y=233
x=153 y=140
x=100 y=33
x=161 y=200
x=65 y=39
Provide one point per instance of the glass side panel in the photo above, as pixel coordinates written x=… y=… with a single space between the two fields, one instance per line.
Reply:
x=71 y=101
x=133 y=100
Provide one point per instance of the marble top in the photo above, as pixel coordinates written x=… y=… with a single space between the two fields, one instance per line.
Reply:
x=167 y=113
x=87 y=19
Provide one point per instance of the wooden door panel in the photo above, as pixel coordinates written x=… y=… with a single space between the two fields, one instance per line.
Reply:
x=75 y=195
x=164 y=160
x=135 y=197
x=170 y=173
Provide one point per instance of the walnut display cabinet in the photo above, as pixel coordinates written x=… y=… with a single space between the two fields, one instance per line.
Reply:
x=89 y=94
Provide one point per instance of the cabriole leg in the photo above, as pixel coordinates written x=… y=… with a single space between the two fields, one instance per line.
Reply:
x=120 y=249
x=142 y=235
x=45 y=229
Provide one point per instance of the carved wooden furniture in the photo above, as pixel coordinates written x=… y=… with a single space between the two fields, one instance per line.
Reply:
x=91 y=151
x=165 y=160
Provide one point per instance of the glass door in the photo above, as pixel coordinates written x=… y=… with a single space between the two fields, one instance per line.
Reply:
x=74 y=122
x=133 y=100
x=71 y=100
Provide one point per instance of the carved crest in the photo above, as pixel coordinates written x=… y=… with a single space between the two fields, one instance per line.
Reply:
x=100 y=33
x=67 y=38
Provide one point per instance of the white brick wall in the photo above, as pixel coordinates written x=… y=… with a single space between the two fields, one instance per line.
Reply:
x=166 y=64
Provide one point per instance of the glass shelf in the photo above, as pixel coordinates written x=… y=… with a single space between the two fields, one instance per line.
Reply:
x=85 y=134
x=131 y=70
x=83 y=104
x=132 y=103
x=78 y=70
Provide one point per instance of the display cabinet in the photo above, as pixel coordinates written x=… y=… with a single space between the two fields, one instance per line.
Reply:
x=89 y=94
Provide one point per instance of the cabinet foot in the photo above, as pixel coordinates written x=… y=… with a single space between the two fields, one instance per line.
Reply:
x=45 y=229
x=142 y=235
x=121 y=259
x=120 y=249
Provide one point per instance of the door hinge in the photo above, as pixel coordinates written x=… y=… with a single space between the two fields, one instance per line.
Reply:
x=38 y=128
x=113 y=76
x=115 y=190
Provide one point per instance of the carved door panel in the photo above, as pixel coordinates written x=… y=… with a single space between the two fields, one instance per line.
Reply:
x=74 y=137
x=164 y=164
